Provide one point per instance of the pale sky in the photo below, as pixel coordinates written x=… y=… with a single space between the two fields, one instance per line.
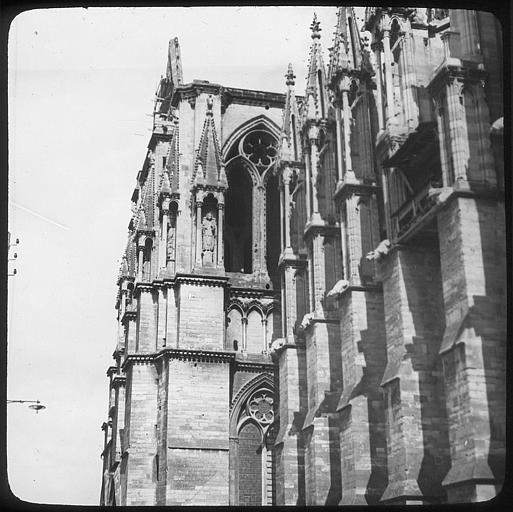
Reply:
x=81 y=90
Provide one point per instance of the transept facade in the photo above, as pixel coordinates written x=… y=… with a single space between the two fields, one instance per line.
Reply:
x=312 y=301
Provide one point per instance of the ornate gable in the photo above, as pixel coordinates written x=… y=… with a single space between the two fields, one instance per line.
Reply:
x=208 y=166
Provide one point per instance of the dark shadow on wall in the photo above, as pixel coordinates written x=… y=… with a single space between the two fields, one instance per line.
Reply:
x=422 y=276
x=488 y=317
x=373 y=346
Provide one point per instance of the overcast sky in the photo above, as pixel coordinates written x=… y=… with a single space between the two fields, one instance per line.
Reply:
x=81 y=89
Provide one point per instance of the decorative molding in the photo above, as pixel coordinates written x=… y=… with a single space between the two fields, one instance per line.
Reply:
x=346 y=188
x=119 y=380
x=252 y=385
x=453 y=69
x=201 y=280
x=314 y=228
x=196 y=355
x=129 y=315
x=137 y=359
x=254 y=366
x=140 y=286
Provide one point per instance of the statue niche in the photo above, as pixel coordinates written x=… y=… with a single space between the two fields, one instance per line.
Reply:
x=171 y=234
x=208 y=238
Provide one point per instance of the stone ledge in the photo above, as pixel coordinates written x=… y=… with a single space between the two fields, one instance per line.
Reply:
x=474 y=470
x=223 y=447
x=183 y=354
x=402 y=490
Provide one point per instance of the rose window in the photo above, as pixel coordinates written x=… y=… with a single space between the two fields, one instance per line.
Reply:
x=260 y=407
x=260 y=148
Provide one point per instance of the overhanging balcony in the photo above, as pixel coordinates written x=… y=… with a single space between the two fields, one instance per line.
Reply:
x=417 y=211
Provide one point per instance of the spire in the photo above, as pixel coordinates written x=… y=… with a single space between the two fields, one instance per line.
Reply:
x=348 y=52
x=174 y=63
x=173 y=78
x=172 y=161
x=207 y=167
x=316 y=97
x=290 y=140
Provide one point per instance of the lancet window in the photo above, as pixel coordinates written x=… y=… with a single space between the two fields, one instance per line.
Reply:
x=252 y=429
x=249 y=230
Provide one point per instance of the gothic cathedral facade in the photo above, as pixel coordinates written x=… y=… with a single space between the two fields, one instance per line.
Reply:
x=312 y=299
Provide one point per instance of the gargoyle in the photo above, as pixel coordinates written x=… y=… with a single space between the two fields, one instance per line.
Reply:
x=306 y=320
x=339 y=287
x=381 y=250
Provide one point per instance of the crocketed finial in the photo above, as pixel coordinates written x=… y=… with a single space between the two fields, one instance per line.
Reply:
x=290 y=75
x=315 y=28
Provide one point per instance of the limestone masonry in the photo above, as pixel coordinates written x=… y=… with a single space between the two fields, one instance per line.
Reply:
x=312 y=299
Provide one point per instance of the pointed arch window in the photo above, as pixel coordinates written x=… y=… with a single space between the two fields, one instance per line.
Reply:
x=253 y=433
x=250 y=157
x=250 y=469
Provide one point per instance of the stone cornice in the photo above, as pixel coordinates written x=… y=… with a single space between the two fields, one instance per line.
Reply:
x=453 y=68
x=257 y=293
x=194 y=89
x=322 y=227
x=201 y=280
x=228 y=95
x=119 y=380
x=346 y=188
x=137 y=359
x=181 y=354
x=208 y=188
x=129 y=315
x=291 y=260
x=255 y=366
x=111 y=370
x=252 y=97
x=141 y=286
x=196 y=355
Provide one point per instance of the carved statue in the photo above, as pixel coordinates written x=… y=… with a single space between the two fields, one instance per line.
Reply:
x=209 y=232
x=171 y=243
